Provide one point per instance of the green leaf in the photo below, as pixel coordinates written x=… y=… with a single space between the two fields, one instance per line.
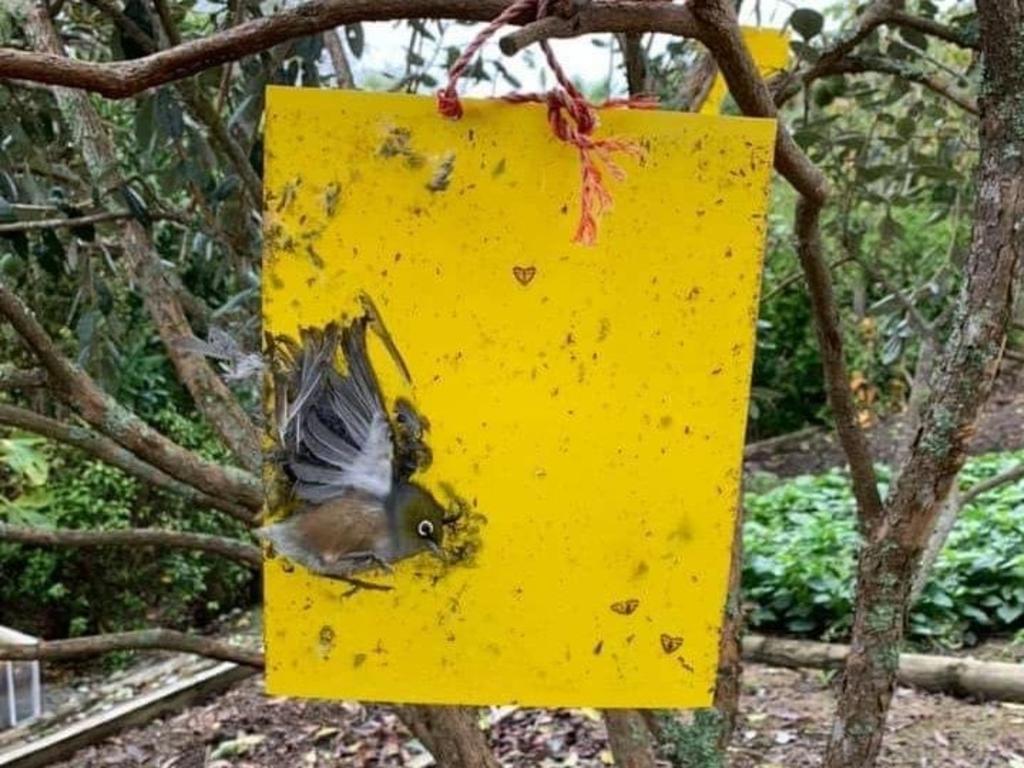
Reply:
x=807 y=22
x=226 y=188
x=915 y=37
x=145 y=122
x=905 y=127
x=168 y=115
x=26 y=457
x=892 y=350
x=804 y=51
x=49 y=252
x=355 y=39
x=1010 y=613
x=136 y=205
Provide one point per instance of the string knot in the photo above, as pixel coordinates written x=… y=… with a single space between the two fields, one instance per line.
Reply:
x=571 y=116
x=448 y=103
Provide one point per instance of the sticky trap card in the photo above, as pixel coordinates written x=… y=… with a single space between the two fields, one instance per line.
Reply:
x=586 y=405
x=770 y=50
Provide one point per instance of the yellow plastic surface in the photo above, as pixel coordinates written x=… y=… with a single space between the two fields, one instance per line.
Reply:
x=770 y=49
x=590 y=401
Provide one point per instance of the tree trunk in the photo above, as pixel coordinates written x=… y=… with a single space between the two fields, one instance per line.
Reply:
x=451 y=734
x=964 y=378
x=629 y=738
x=730 y=657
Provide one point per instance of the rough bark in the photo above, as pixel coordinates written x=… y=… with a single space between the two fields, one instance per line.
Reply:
x=730 y=662
x=211 y=395
x=964 y=377
x=953 y=675
x=452 y=734
x=629 y=738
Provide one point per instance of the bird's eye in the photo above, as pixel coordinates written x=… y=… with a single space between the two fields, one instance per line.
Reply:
x=425 y=529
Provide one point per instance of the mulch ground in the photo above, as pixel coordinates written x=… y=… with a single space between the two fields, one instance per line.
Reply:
x=786 y=720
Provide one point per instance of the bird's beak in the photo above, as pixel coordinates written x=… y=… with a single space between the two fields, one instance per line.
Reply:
x=436 y=551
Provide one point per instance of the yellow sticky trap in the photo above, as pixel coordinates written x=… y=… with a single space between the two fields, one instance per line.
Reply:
x=770 y=49
x=589 y=402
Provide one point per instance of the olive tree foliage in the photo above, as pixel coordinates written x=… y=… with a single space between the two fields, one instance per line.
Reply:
x=130 y=196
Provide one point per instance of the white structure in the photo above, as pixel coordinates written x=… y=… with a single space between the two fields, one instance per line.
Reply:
x=21 y=690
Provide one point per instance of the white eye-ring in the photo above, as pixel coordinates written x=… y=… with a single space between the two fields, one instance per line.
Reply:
x=425 y=529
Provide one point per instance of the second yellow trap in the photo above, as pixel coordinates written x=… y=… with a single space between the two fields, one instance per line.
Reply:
x=589 y=402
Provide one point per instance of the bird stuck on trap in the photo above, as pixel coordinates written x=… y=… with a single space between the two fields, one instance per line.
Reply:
x=348 y=462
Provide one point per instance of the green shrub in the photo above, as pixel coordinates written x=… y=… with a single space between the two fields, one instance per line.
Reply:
x=801 y=542
x=59 y=592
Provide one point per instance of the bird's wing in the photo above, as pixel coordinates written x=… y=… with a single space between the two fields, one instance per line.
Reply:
x=336 y=433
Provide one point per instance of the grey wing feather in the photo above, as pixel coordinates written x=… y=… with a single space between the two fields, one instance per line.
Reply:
x=334 y=429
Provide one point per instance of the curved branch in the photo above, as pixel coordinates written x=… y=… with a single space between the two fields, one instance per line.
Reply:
x=787 y=88
x=77 y=388
x=718 y=29
x=139 y=640
x=126 y=78
x=105 y=449
x=826 y=323
x=901 y=18
x=1011 y=475
x=878 y=13
x=233 y=549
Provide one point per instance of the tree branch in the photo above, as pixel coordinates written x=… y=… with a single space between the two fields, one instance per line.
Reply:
x=837 y=380
x=167 y=21
x=63 y=223
x=718 y=28
x=126 y=78
x=901 y=18
x=998 y=481
x=787 y=88
x=233 y=549
x=342 y=70
x=139 y=640
x=195 y=102
x=108 y=416
x=106 y=450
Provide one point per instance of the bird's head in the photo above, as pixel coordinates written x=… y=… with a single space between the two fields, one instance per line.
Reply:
x=420 y=520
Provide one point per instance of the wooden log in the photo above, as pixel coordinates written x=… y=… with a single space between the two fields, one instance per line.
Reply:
x=956 y=676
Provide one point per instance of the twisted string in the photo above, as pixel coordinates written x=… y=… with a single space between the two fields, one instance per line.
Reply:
x=572 y=117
